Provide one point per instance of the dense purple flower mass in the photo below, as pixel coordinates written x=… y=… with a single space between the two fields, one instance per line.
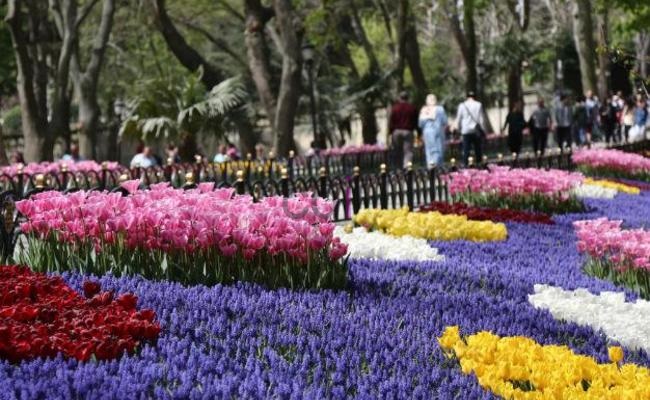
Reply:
x=375 y=340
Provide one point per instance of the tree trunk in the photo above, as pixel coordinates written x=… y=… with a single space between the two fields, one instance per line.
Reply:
x=412 y=52
x=515 y=91
x=258 y=59
x=583 y=28
x=603 y=56
x=3 y=151
x=25 y=25
x=642 y=48
x=470 y=39
x=86 y=83
x=290 y=85
x=400 y=50
x=369 y=128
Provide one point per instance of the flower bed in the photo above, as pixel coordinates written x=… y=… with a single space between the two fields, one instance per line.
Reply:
x=196 y=236
x=41 y=316
x=607 y=184
x=612 y=163
x=520 y=368
x=374 y=340
x=521 y=189
x=57 y=167
x=625 y=322
x=621 y=255
x=379 y=246
x=431 y=226
x=586 y=191
x=488 y=214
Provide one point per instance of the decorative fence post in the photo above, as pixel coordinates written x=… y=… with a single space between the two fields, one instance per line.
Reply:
x=356 y=190
x=190 y=182
x=284 y=182
x=432 y=182
x=271 y=162
x=290 y=162
x=240 y=184
x=383 y=186
x=409 y=187
x=322 y=182
x=104 y=178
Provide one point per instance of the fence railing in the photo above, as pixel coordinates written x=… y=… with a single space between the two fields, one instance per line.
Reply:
x=270 y=180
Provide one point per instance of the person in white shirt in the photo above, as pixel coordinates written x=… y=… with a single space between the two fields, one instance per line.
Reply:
x=73 y=155
x=469 y=121
x=144 y=159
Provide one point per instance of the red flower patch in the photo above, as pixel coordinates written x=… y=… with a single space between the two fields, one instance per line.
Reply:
x=41 y=316
x=488 y=214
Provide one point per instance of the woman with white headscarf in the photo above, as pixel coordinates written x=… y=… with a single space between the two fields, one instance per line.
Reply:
x=433 y=121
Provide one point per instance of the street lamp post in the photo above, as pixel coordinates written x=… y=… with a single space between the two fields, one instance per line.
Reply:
x=308 y=54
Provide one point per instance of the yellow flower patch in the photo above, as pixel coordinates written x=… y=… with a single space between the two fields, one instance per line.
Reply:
x=431 y=225
x=613 y=185
x=520 y=368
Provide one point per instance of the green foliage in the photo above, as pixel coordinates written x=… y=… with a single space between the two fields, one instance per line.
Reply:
x=11 y=122
x=164 y=109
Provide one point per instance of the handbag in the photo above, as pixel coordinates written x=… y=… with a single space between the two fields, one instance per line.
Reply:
x=479 y=129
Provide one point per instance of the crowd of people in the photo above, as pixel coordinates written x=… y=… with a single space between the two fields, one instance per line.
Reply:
x=580 y=122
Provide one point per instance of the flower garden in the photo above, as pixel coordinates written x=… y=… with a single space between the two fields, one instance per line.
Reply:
x=530 y=284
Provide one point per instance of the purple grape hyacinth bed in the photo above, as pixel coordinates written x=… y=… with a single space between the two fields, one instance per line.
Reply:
x=375 y=340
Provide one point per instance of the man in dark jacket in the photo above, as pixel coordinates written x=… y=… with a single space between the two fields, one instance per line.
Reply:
x=401 y=124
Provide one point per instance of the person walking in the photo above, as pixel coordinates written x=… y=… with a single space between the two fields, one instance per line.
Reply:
x=592 y=105
x=516 y=123
x=401 y=124
x=432 y=123
x=627 y=118
x=469 y=119
x=637 y=133
x=608 y=112
x=563 y=122
x=580 y=122
x=73 y=154
x=144 y=158
x=540 y=124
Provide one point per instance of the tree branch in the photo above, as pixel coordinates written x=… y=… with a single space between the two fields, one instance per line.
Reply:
x=219 y=43
x=185 y=53
x=231 y=10
x=85 y=11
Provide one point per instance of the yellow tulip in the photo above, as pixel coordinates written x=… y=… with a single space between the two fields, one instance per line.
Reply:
x=615 y=354
x=432 y=225
x=519 y=368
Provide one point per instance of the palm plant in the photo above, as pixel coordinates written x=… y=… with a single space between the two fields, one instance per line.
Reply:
x=180 y=110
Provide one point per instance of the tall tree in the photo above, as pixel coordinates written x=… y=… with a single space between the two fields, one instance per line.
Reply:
x=520 y=12
x=583 y=34
x=290 y=86
x=602 y=33
x=465 y=35
x=86 y=81
x=43 y=86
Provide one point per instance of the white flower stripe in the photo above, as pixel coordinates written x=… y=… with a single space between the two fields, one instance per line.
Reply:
x=594 y=191
x=625 y=322
x=380 y=246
